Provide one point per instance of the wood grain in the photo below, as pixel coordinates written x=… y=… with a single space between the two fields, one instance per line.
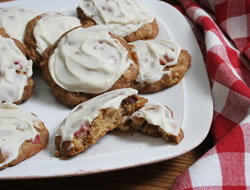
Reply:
x=159 y=176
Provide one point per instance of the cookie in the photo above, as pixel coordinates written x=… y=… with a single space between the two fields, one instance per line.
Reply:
x=162 y=64
x=22 y=135
x=129 y=19
x=15 y=19
x=16 y=84
x=86 y=62
x=43 y=31
x=91 y=120
x=155 y=120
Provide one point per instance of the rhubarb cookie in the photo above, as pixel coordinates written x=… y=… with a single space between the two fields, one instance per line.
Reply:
x=162 y=64
x=16 y=84
x=91 y=120
x=129 y=19
x=43 y=31
x=86 y=62
x=22 y=135
x=15 y=19
x=155 y=120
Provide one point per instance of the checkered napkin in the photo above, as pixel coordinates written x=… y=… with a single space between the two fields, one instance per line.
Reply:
x=227 y=164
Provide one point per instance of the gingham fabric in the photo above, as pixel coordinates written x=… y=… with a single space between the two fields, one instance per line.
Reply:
x=227 y=164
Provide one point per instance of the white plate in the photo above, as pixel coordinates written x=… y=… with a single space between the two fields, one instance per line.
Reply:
x=118 y=150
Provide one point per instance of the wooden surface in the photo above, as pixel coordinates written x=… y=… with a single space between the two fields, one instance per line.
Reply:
x=159 y=176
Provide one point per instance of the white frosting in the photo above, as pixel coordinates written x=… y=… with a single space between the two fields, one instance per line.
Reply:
x=121 y=16
x=159 y=115
x=15 y=19
x=86 y=112
x=50 y=27
x=16 y=127
x=154 y=56
x=15 y=70
x=88 y=60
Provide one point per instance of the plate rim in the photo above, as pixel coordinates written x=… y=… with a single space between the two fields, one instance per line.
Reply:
x=180 y=17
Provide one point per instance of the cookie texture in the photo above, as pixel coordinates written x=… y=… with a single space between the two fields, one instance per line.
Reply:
x=30 y=41
x=120 y=109
x=29 y=88
x=146 y=32
x=158 y=123
x=141 y=125
x=88 y=134
x=71 y=99
x=177 y=73
x=29 y=149
x=105 y=122
x=28 y=91
x=22 y=135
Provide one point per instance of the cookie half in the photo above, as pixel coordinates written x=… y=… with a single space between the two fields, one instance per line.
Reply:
x=22 y=135
x=91 y=120
x=16 y=84
x=15 y=19
x=162 y=64
x=155 y=120
x=86 y=62
x=129 y=19
x=44 y=30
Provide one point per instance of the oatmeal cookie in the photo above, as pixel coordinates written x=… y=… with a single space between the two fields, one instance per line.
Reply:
x=162 y=64
x=155 y=120
x=86 y=62
x=91 y=120
x=22 y=135
x=43 y=31
x=127 y=18
x=16 y=84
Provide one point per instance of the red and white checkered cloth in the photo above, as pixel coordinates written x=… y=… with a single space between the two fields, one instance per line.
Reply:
x=227 y=164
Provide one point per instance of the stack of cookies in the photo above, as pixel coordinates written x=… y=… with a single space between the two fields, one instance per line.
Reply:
x=96 y=63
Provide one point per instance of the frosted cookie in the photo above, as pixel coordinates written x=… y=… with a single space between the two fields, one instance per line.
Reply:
x=43 y=31
x=22 y=135
x=162 y=64
x=129 y=19
x=15 y=19
x=155 y=120
x=91 y=120
x=86 y=62
x=16 y=84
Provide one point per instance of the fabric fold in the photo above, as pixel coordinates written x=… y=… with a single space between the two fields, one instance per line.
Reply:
x=227 y=55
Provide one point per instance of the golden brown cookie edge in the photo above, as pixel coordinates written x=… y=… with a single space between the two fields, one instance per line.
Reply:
x=71 y=99
x=177 y=74
x=29 y=149
x=29 y=88
x=128 y=105
x=30 y=41
x=146 y=32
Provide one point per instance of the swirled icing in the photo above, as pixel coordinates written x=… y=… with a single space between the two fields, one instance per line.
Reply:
x=15 y=70
x=50 y=27
x=122 y=17
x=88 y=60
x=154 y=56
x=16 y=127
